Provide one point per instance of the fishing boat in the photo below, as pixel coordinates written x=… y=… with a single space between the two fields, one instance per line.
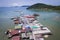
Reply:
x=28 y=28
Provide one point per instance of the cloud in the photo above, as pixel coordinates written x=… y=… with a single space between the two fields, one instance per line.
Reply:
x=6 y=3
x=15 y=4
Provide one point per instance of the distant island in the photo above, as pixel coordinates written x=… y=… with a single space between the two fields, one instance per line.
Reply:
x=25 y=6
x=43 y=6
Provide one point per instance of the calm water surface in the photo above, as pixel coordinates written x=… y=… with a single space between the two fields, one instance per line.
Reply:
x=51 y=19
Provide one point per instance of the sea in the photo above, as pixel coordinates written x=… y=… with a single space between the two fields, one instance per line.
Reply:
x=49 y=18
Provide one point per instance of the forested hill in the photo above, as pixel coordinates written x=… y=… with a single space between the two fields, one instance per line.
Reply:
x=43 y=6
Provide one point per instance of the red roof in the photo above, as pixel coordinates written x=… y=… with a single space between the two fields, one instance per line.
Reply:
x=13 y=32
x=29 y=16
x=23 y=30
x=15 y=38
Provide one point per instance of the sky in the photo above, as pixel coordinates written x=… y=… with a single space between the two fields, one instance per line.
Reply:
x=9 y=3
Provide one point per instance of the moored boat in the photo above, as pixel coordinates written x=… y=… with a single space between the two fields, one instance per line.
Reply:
x=28 y=28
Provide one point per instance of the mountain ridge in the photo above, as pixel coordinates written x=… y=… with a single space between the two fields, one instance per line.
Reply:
x=43 y=6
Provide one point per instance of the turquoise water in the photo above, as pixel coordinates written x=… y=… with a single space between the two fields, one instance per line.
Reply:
x=51 y=19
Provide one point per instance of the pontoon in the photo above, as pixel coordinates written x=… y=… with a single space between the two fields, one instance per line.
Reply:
x=28 y=28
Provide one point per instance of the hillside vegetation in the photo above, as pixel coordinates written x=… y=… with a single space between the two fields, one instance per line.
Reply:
x=43 y=6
